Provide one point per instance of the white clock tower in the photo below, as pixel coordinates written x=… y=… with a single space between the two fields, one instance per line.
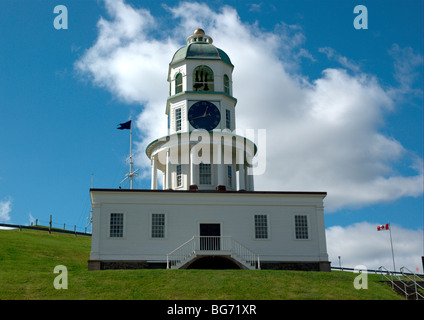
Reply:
x=202 y=218
x=202 y=150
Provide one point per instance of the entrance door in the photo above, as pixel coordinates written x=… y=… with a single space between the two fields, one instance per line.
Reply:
x=210 y=236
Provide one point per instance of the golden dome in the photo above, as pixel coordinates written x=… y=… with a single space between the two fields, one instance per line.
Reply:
x=199 y=31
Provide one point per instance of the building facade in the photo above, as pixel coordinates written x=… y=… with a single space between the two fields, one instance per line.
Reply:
x=208 y=214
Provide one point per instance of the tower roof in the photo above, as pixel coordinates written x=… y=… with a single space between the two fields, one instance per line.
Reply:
x=199 y=47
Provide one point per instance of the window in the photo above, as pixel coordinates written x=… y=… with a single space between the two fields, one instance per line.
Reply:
x=227 y=119
x=205 y=176
x=261 y=226
x=229 y=177
x=178 y=83
x=301 y=226
x=203 y=79
x=226 y=84
x=116 y=225
x=158 y=225
x=178 y=119
x=179 y=176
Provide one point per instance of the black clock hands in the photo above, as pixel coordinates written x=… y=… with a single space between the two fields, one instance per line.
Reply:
x=204 y=115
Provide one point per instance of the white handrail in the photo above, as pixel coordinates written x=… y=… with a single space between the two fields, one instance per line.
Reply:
x=412 y=282
x=402 y=280
x=180 y=253
x=207 y=244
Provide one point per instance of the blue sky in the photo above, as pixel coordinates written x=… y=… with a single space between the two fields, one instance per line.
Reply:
x=360 y=136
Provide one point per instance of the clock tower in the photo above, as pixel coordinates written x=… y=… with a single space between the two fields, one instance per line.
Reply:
x=202 y=149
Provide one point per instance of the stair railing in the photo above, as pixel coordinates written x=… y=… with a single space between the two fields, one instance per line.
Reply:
x=181 y=253
x=405 y=280
x=389 y=276
x=219 y=244
x=412 y=280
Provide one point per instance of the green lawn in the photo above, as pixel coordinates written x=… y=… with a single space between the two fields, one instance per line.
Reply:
x=28 y=258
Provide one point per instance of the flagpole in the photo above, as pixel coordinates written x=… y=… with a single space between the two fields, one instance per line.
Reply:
x=131 y=161
x=391 y=244
x=131 y=174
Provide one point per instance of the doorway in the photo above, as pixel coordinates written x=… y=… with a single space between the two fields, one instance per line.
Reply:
x=210 y=234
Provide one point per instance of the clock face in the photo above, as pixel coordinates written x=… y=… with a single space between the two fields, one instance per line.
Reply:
x=204 y=115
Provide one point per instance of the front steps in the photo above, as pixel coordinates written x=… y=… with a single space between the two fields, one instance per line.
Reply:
x=207 y=246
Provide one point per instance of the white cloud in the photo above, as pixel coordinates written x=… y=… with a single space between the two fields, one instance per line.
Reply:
x=407 y=65
x=362 y=244
x=344 y=61
x=322 y=135
x=5 y=209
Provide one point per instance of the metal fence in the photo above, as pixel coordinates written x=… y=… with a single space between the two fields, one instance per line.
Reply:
x=45 y=228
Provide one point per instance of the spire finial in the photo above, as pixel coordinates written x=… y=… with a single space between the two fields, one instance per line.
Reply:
x=199 y=31
x=199 y=36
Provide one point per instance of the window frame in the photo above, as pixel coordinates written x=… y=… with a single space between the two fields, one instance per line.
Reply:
x=264 y=228
x=178 y=83
x=210 y=82
x=227 y=119
x=116 y=233
x=298 y=233
x=178 y=119
x=179 y=175
x=230 y=176
x=207 y=175
x=226 y=84
x=152 y=234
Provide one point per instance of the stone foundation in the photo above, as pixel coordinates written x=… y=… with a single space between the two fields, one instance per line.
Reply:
x=112 y=265
x=298 y=266
x=265 y=265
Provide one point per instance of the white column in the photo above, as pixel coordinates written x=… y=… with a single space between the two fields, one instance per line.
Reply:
x=242 y=169
x=154 y=185
x=221 y=175
x=164 y=180
x=251 y=183
x=242 y=177
x=221 y=167
x=168 y=170
x=193 y=169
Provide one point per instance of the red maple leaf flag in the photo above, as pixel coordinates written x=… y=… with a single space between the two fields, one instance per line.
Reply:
x=383 y=227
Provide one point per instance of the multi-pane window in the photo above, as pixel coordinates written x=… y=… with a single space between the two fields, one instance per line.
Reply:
x=158 y=225
x=203 y=79
x=116 y=229
x=301 y=226
x=205 y=176
x=178 y=83
x=229 y=177
x=261 y=226
x=227 y=119
x=226 y=84
x=179 y=176
x=178 y=119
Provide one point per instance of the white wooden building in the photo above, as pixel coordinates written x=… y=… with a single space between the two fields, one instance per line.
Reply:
x=208 y=214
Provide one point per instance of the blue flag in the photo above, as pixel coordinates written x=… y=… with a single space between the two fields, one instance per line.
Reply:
x=126 y=125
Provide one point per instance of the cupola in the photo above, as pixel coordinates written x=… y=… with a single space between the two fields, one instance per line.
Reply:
x=199 y=46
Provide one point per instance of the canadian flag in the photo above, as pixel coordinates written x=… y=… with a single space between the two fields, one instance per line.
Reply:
x=383 y=227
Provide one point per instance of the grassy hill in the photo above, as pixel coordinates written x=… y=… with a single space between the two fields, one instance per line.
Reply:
x=28 y=258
